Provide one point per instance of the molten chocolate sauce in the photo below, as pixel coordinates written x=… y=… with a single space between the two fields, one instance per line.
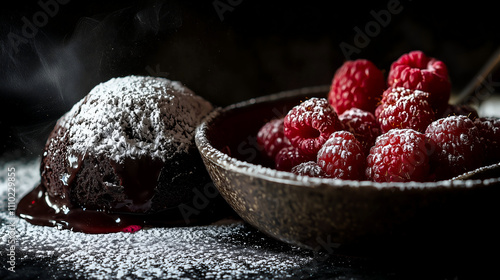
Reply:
x=139 y=178
x=39 y=208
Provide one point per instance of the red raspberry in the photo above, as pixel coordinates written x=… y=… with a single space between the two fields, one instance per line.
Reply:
x=310 y=168
x=400 y=155
x=271 y=137
x=457 y=146
x=415 y=70
x=358 y=83
x=310 y=124
x=342 y=157
x=489 y=133
x=363 y=125
x=460 y=110
x=404 y=108
x=392 y=94
x=288 y=157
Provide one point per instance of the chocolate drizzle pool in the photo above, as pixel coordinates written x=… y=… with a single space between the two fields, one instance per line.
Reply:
x=139 y=178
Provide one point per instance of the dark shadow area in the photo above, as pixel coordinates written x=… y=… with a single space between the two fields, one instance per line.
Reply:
x=54 y=52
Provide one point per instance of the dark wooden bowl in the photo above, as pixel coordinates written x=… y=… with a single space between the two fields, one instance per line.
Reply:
x=330 y=214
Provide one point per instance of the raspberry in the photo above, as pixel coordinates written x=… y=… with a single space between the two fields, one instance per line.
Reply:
x=363 y=125
x=460 y=110
x=489 y=133
x=392 y=94
x=357 y=83
x=310 y=168
x=404 y=108
x=271 y=137
x=415 y=70
x=457 y=146
x=342 y=157
x=288 y=157
x=310 y=124
x=400 y=155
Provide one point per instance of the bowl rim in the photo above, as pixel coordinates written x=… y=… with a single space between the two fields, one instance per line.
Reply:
x=225 y=161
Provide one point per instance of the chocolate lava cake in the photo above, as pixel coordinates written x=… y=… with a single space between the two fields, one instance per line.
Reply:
x=126 y=152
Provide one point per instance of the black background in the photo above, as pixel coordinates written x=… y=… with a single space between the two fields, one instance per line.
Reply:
x=244 y=49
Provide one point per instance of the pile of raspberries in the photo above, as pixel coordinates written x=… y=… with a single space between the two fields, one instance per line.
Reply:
x=395 y=129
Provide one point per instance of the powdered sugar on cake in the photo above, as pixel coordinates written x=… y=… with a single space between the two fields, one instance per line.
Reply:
x=134 y=116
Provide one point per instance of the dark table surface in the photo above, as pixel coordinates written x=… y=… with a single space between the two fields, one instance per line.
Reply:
x=228 y=249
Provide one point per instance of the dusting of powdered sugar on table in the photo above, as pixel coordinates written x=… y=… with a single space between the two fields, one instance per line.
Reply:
x=225 y=251
x=134 y=116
